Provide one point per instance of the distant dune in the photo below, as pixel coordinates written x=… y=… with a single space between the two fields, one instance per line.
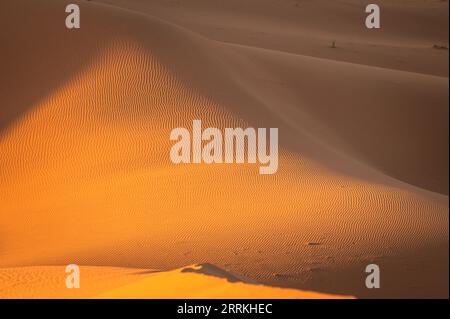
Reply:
x=86 y=178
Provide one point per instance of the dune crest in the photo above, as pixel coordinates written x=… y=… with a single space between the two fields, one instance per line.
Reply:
x=206 y=281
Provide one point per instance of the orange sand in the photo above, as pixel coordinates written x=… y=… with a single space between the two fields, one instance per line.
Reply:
x=85 y=174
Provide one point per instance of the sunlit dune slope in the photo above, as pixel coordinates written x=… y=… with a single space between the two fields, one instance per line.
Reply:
x=50 y=281
x=205 y=281
x=196 y=281
x=85 y=174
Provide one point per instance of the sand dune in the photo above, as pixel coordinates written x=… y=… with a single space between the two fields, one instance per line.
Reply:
x=196 y=281
x=205 y=281
x=85 y=175
x=49 y=281
x=410 y=28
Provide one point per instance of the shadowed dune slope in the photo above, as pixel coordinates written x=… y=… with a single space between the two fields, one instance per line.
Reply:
x=85 y=174
x=409 y=28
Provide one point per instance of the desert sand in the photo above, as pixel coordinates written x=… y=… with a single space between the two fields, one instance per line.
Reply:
x=85 y=174
x=190 y=282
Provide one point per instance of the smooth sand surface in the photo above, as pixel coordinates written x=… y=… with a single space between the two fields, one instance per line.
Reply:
x=85 y=173
x=190 y=282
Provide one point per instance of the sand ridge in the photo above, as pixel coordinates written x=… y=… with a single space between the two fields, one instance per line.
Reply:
x=193 y=282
